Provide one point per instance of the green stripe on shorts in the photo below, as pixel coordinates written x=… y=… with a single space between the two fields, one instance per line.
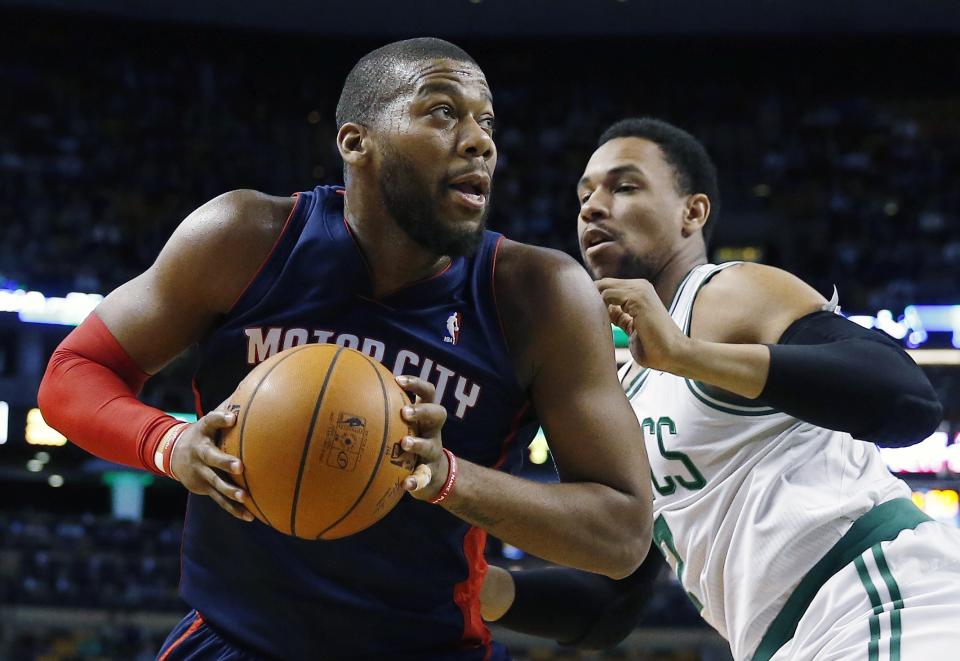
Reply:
x=883 y=523
x=894 y=590
x=874 y=646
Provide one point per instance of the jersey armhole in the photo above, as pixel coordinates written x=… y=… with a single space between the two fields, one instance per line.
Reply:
x=716 y=398
x=266 y=260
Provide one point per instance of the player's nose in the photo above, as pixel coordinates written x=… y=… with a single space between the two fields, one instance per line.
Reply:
x=475 y=141
x=595 y=208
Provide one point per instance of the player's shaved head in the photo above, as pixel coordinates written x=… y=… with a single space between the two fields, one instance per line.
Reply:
x=378 y=77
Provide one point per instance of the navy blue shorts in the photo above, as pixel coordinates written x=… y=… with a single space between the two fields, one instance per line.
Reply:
x=194 y=640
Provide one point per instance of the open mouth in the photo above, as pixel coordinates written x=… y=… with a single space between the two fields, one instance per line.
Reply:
x=595 y=239
x=472 y=190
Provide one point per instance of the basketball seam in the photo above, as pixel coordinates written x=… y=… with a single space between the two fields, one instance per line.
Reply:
x=243 y=426
x=383 y=444
x=309 y=440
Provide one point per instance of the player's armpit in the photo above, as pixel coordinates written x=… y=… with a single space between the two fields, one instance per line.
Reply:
x=579 y=608
x=830 y=372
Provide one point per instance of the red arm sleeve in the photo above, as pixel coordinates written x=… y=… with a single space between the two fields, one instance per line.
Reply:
x=89 y=394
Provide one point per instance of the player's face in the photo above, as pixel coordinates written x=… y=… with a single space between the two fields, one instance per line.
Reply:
x=631 y=214
x=438 y=156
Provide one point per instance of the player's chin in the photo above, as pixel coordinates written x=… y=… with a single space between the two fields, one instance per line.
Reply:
x=605 y=265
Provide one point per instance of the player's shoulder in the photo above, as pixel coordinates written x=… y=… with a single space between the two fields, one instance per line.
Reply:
x=244 y=214
x=750 y=302
x=537 y=266
x=545 y=299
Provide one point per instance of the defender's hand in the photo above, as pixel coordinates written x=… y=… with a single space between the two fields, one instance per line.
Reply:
x=427 y=418
x=195 y=456
x=633 y=305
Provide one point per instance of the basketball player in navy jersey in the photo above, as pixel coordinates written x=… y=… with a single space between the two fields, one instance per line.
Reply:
x=491 y=336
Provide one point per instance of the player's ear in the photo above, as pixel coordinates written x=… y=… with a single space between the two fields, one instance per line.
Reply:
x=696 y=213
x=353 y=144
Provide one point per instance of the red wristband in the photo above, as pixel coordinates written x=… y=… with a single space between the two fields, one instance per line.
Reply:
x=451 y=479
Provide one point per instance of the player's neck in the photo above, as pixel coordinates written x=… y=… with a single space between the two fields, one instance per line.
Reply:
x=668 y=280
x=393 y=258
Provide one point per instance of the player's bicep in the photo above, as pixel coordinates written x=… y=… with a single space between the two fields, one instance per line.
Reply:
x=589 y=424
x=751 y=304
x=153 y=320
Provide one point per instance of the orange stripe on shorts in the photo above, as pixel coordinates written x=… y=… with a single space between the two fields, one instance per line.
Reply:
x=196 y=624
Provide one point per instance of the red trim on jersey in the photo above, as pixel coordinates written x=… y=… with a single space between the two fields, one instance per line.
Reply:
x=493 y=289
x=466 y=594
x=196 y=624
x=512 y=434
x=197 y=400
x=283 y=230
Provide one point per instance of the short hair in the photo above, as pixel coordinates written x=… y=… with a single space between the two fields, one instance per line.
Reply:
x=694 y=171
x=370 y=86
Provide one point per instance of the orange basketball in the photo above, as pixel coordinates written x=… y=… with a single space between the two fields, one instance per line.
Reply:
x=318 y=431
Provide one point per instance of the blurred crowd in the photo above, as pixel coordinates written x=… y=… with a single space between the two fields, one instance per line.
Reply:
x=89 y=561
x=825 y=168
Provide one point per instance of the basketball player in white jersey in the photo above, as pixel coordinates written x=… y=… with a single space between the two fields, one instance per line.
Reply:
x=761 y=407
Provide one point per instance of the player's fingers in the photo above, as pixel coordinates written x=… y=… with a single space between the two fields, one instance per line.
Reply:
x=419 y=479
x=614 y=296
x=216 y=420
x=604 y=284
x=231 y=491
x=614 y=311
x=428 y=449
x=617 y=315
x=416 y=386
x=216 y=458
x=428 y=418
x=231 y=507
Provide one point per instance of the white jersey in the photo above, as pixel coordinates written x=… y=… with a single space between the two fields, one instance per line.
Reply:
x=746 y=499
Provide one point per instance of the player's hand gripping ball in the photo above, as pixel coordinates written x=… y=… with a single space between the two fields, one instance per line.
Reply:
x=318 y=431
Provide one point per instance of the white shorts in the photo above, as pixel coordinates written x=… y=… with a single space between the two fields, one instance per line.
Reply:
x=898 y=601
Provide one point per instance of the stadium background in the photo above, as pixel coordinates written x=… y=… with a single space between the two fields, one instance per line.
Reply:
x=834 y=130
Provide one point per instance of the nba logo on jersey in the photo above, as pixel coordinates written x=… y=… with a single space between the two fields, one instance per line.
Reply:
x=453 y=328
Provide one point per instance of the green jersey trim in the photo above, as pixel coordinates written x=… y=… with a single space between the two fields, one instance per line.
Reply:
x=723 y=405
x=683 y=283
x=637 y=383
x=881 y=524
x=717 y=400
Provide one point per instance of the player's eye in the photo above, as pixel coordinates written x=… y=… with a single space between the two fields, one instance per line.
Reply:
x=625 y=188
x=443 y=112
x=584 y=197
x=486 y=123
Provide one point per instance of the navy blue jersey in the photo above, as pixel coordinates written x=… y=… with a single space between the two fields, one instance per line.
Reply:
x=409 y=585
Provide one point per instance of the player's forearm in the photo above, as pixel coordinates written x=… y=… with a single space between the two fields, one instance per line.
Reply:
x=88 y=393
x=737 y=368
x=585 y=525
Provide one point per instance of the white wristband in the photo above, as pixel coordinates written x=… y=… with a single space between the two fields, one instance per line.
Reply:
x=161 y=458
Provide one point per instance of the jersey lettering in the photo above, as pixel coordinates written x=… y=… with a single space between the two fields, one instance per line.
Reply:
x=260 y=346
x=694 y=481
x=265 y=342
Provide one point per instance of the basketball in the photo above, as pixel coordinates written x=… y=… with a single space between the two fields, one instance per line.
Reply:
x=318 y=431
